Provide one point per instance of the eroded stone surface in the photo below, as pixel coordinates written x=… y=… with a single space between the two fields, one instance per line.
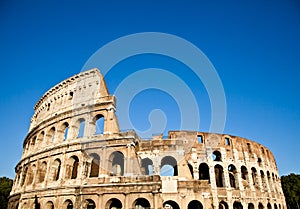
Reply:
x=75 y=156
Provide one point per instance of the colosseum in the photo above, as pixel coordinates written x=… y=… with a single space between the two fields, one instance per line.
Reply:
x=75 y=156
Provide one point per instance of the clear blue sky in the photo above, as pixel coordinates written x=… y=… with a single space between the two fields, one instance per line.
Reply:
x=254 y=46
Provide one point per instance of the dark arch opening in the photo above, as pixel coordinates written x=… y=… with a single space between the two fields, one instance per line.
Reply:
x=147 y=166
x=232 y=176
x=117 y=163
x=203 y=171
x=195 y=204
x=223 y=205
x=114 y=203
x=219 y=175
x=216 y=156
x=250 y=206
x=141 y=203
x=95 y=165
x=168 y=166
x=237 y=205
x=90 y=204
x=170 y=205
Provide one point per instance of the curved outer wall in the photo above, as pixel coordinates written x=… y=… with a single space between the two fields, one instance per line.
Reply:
x=75 y=156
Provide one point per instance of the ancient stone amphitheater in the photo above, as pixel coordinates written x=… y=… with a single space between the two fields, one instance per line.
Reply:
x=75 y=156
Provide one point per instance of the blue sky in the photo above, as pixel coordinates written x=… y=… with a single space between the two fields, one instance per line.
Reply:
x=253 y=45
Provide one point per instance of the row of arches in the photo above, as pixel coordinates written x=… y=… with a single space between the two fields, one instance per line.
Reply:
x=69 y=170
x=64 y=132
x=261 y=180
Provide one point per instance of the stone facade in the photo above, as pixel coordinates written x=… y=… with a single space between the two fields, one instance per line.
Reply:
x=75 y=156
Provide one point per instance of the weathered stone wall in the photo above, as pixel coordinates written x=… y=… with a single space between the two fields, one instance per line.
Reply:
x=75 y=156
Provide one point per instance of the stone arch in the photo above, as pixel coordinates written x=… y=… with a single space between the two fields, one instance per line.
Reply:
x=269 y=206
x=68 y=204
x=95 y=165
x=141 y=203
x=147 y=166
x=237 y=205
x=42 y=171
x=116 y=160
x=223 y=205
x=49 y=205
x=24 y=175
x=216 y=156
x=40 y=137
x=51 y=135
x=254 y=176
x=263 y=180
x=55 y=169
x=170 y=204
x=113 y=203
x=250 y=206
x=99 y=124
x=275 y=206
x=30 y=174
x=81 y=127
x=203 y=171
x=260 y=206
x=233 y=180
x=219 y=175
x=65 y=131
x=168 y=166
x=90 y=204
x=72 y=167
x=244 y=175
x=195 y=204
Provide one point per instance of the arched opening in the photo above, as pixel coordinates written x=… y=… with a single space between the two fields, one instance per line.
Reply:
x=223 y=205
x=117 y=163
x=219 y=174
x=269 y=180
x=141 y=203
x=56 y=169
x=269 y=206
x=237 y=205
x=68 y=204
x=147 y=166
x=260 y=206
x=30 y=174
x=171 y=205
x=90 y=204
x=95 y=165
x=65 y=129
x=24 y=174
x=40 y=138
x=244 y=175
x=33 y=142
x=227 y=141
x=254 y=176
x=263 y=180
x=216 y=156
x=259 y=161
x=72 y=167
x=80 y=133
x=99 y=124
x=114 y=203
x=49 y=205
x=275 y=206
x=168 y=166
x=195 y=204
x=191 y=170
x=42 y=171
x=232 y=176
x=51 y=134
x=250 y=206
x=203 y=171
